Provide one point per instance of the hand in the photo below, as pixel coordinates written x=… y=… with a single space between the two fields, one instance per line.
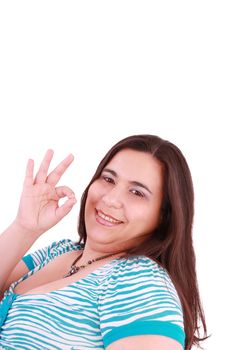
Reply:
x=39 y=209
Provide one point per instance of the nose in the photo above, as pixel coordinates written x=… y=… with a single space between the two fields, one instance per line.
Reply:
x=113 y=199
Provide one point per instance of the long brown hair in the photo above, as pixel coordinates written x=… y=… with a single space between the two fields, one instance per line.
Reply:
x=171 y=242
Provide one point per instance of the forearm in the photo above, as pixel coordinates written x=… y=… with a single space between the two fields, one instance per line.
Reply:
x=14 y=243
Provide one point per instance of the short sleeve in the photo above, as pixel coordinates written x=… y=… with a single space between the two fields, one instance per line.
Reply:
x=139 y=298
x=54 y=249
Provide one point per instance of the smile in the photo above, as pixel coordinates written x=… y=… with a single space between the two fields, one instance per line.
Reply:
x=106 y=218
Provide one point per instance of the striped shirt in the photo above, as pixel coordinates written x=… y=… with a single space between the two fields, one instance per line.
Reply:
x=125 y=297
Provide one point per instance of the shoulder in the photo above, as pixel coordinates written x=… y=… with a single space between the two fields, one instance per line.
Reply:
x=141 y=267
x=62 y=246
x=139 y=298
x=140 y=274
x=45 y=254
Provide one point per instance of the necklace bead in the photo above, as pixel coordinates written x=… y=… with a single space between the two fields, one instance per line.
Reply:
x=74 y=269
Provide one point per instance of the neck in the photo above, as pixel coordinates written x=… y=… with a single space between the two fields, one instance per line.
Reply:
x=89 y=253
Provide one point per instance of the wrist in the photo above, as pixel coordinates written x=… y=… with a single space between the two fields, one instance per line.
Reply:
x=23 y=230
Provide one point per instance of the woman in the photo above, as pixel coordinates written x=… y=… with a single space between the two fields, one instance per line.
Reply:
x=130 y=281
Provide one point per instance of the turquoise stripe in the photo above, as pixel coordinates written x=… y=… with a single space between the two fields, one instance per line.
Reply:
x=144 y=328
x=28 y=261
x=5 y=306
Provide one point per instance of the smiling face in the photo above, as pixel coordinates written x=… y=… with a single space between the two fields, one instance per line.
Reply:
x=123 y=204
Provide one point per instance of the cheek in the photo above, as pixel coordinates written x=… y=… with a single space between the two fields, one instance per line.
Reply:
x=147 y=218
x=95 y=193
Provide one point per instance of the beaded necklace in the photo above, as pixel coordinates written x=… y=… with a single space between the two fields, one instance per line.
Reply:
x=75 y=269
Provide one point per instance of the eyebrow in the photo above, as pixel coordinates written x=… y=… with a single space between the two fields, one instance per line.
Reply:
x=135 y=183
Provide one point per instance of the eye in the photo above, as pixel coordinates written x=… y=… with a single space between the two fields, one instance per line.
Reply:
x=108 y=179
x=137 y=193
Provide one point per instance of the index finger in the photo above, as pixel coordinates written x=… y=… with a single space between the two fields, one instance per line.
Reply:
x=57 y=173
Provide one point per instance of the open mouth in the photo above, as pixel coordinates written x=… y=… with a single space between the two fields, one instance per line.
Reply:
x=106 y=219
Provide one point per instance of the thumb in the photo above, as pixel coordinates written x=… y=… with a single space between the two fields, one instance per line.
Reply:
x=64 y=191
x=65 y=208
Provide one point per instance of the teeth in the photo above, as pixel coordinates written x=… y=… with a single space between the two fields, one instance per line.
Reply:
x=107 y=218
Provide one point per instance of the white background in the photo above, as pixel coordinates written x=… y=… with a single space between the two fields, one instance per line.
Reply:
x=77 y=76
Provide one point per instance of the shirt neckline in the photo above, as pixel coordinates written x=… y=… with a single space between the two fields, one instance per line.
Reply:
x=111 y=262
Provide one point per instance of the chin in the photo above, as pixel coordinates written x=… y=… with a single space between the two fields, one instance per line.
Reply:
x=100 y=236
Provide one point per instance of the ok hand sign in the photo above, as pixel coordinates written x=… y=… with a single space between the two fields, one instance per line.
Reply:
x=39 y=209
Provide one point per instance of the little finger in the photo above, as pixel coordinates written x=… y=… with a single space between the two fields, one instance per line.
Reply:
x=28 y=180
x=57 y=173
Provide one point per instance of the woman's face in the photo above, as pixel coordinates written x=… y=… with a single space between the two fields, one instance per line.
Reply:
x=123 y=204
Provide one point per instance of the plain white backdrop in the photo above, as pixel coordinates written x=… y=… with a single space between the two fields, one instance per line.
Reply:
x=77 y=76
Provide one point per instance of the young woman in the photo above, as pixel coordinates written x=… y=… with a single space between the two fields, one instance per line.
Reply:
x=130 y=280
